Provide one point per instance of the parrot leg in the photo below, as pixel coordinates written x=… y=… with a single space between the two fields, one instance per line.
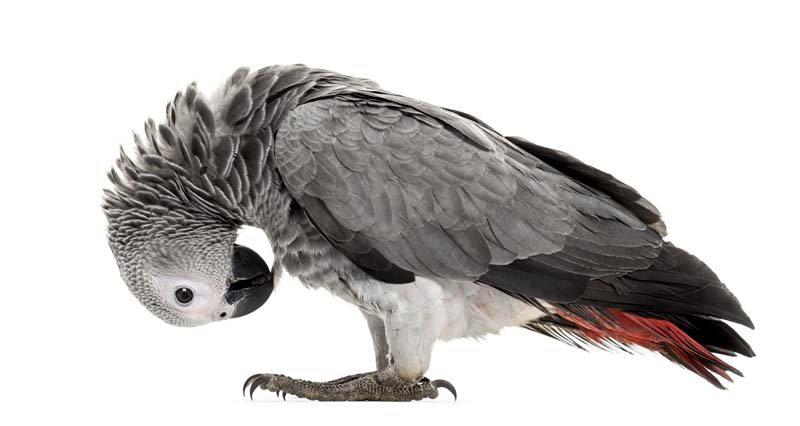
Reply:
x=378 y=332
x=381 y=385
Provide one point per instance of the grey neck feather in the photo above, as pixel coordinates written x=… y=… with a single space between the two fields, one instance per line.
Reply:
x=213 y=157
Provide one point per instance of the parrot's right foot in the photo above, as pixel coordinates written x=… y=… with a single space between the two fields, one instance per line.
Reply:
x=382 y=385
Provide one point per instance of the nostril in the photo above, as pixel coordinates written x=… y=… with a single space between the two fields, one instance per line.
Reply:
x=223 y=315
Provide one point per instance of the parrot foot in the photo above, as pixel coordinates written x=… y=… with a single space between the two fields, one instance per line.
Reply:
x=382 y=385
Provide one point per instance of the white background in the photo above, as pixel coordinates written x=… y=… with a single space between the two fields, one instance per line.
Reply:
x=695 y=104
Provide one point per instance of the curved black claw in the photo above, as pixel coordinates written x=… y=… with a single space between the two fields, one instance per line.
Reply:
x=247 y=382
x=447 y=385
x=283 y=394
x=260 y=379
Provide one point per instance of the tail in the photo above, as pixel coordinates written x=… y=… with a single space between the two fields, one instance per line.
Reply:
x=673 y=308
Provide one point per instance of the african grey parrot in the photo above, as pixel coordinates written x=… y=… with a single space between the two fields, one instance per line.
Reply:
x=432 y=223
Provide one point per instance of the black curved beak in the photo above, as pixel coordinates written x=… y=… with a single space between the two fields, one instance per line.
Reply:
x=251 y=282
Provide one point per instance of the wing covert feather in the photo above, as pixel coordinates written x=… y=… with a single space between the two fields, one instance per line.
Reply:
x=420 y=191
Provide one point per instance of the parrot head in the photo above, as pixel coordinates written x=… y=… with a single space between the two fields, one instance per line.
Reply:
x=176 y=204
x=186 y=271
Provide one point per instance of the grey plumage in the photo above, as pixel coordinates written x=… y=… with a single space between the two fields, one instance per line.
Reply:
x=437 y=206
x=431 y=222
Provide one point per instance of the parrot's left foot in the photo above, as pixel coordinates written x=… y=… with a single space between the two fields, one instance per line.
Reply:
x=382 y=385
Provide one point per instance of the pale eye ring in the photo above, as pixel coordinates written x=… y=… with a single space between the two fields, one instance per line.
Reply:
x=184 y=295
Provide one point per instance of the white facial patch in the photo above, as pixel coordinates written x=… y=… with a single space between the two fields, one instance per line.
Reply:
x=206 y=304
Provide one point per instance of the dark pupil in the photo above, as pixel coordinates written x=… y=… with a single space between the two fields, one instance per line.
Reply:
x=184 y=295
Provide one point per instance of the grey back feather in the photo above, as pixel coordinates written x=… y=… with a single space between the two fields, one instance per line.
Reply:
x=441 y=195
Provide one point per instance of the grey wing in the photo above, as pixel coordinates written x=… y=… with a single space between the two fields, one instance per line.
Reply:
x=403 y=188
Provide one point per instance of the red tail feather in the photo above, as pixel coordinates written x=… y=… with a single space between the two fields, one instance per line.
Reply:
x=658 y=335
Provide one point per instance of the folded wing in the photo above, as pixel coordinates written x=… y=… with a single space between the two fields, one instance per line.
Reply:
x=403 y=188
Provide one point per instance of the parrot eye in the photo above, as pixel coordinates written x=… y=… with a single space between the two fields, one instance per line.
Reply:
x=184 y=295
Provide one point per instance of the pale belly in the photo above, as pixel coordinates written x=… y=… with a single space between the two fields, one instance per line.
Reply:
x=416 y=315
x=447 y=310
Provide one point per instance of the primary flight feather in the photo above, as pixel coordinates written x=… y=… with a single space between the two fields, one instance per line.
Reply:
x=432 y=223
